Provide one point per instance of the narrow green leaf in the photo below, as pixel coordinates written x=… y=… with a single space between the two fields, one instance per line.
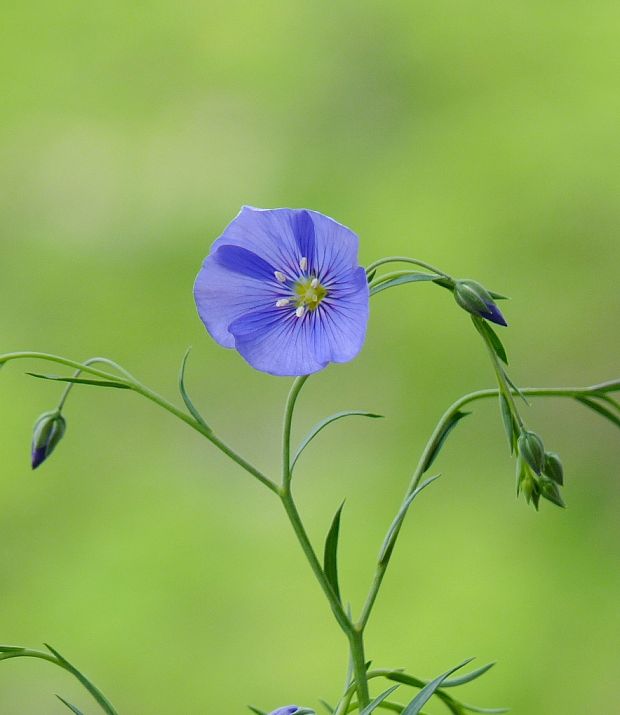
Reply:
x=441 y=438
x=491 y=337
x=392 y=535
x=600 y=409
x=323 y=424
x=468 y=677
x=256 y=711
x=515 y=388
x=508 y=420
x=408 y=278
x=101 y=699
x=378 y=700
x=371 y=275
x=82 y=381
x=610 y=386
x=186 y=398
x=330 y=557
x=73 y=709
x=331 y=710
x=428 y=690
x=485 y=711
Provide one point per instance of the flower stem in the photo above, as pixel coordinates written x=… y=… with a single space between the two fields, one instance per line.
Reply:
x=355 y=637
x=141 y=389
x=405 y=259
x=445 y=420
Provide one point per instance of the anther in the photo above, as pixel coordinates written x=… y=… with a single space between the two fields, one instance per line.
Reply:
x=314 y=283
x=303 y=263
x=280 y=277
x=282 y=302
x=300 y=311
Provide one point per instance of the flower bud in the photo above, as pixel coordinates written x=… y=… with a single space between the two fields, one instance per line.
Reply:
x=550 y=491
x=553 y=468
x=532 y=450
x=47 y=433
x=476 y=299
x=292 y=710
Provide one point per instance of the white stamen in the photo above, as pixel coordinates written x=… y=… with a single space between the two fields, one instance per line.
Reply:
x=300 y=311
x=314 y=283
x=282 y=302
x=280 y=277
x=303 y=263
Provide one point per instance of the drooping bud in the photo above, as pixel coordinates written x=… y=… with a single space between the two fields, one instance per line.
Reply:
x=47 y=433
x=476 y=299
x=532 y=450
x=292 y=710
x=550 y=491
x=553 y=468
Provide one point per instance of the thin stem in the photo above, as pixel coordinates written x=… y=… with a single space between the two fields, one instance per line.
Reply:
x=158 y=400
x=430 y=445
x=286 y=429
x=77 y=373
x=405 y=259
x=356 y=642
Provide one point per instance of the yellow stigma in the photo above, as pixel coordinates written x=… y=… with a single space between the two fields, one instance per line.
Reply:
x=309 y=293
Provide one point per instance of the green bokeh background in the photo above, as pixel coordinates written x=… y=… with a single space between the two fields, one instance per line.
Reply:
x=480 y=136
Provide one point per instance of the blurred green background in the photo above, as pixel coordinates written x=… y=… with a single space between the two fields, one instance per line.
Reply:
x=480 y=136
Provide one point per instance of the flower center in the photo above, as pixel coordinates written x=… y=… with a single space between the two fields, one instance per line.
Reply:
x=308 y=293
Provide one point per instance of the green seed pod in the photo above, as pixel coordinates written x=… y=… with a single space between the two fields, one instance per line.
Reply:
x=550 y=491
x=47 y=433
x=532 y=450
x=553 y=468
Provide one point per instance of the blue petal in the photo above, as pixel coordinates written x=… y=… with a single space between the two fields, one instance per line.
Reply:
x=276 y=341
x=288 y=710
x=240 y=260
x=223 y=295
x=494 y=314
x=282 y=237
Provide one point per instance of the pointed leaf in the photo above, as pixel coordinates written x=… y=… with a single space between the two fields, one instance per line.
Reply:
x=492 y=338
x=371 y=275
x=330 y=557
x=323 y=424
x=92 y=689
x=441 y=438
x=71 y=707
x=82 y=381
x=256 y=711
x=600 y=409
x=485 y=711
x=407 y=278
x=327 y=706
x=378 y=700
x=468 y=677
x=515 y=388
x=186 y=398
x=428 y=690
x=508 y=420
x=392 y=535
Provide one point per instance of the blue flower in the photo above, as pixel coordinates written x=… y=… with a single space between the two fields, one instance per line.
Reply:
x=288 y=710
x=283 y=287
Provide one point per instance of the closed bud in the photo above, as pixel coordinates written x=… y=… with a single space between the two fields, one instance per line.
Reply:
x=532 y=450
x=47 y=433
x=550 y=491
x=553 y=468
x=476 y=299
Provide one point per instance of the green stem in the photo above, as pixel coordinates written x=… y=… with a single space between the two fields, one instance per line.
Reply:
x=405 y=259
x=286 y=429
x=430 y=446
x=356 y=642
x=105 y=704
x=158 y=400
